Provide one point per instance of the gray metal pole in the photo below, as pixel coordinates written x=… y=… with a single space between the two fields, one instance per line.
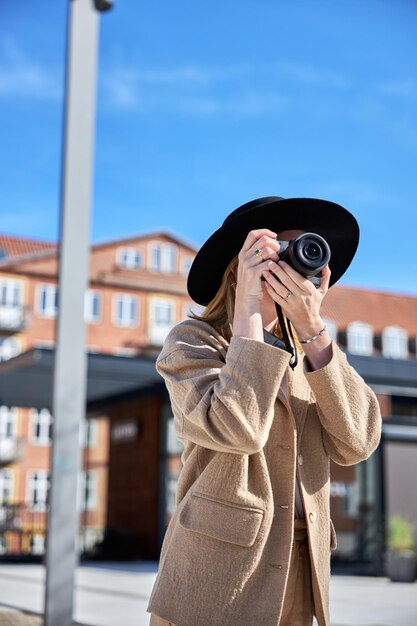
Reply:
x=70 y=363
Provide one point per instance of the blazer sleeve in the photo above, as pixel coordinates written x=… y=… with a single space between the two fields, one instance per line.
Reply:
x=222 y=400
x=348 y=410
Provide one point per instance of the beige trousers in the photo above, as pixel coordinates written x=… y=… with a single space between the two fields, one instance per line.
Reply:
x=298 y=608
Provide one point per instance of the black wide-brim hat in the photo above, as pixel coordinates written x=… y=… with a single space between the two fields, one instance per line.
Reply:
x=328 y=219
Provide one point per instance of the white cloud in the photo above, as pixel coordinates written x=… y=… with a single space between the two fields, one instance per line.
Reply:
x=309 y=75
x=404 y=88
x=21 y=76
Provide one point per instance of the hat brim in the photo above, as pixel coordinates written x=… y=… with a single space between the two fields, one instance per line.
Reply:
x=328 y=219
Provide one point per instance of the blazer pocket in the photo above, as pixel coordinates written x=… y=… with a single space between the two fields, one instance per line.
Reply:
x=333 y=537
x=225 y=521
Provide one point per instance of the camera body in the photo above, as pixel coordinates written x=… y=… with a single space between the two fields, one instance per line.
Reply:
x=308 y=254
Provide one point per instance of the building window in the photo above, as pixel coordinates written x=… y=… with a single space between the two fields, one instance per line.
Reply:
x=92 y=307
x=125 y=311
x=186 y=265
x=40 y=427
x=162 y=319
x=38 y=489
x=89 y=433
x=37 y=544
x=360 y=338
x=87 y=491
x=10 y=292
x=47 y=300
x=9 y=347
x=8 y=416
x=6 y=485
x=163 y=257
x=394 y=343
x=129 y=258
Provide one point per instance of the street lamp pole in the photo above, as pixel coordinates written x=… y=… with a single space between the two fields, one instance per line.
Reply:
x=69 y=387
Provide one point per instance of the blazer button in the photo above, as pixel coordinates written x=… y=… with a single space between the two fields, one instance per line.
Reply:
x=312 y=516
x=300 y=459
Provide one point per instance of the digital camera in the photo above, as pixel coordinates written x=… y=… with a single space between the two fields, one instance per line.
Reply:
x=308 y=254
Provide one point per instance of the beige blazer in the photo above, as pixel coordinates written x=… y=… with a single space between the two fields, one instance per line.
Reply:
x=226 y=553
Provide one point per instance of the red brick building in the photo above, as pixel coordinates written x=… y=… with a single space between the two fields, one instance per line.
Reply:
x=137 y=292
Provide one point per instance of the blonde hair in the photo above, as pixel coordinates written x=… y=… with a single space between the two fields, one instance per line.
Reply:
x=220 y=310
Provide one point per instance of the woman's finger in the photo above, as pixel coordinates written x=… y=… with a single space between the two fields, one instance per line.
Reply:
x=325 y=280
x=254 y=235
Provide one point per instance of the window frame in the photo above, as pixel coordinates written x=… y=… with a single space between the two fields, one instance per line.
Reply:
x=42 y=419
x=51 y=310
x=6 y=485
x=167 y=257
x=394 y=335
x=127 y=256
x=355 y=339
x=8 y=417
x=15 y=285
x=89 y=297
x=115 y=310
x=42 y=504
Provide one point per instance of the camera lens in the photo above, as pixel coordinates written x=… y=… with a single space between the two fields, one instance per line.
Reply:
x=312 y=251
x=308 y=254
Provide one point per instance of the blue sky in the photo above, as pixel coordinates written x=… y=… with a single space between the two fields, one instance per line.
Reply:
x=204 y=106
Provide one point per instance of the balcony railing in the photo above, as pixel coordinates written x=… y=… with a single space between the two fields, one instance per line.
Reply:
x=13 y=318
x=11 y=450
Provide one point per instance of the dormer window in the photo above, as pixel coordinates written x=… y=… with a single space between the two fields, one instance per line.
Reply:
x=186 y=265
x=360 y=338
x=394 y=343
x=129 y=258
x=162 y=257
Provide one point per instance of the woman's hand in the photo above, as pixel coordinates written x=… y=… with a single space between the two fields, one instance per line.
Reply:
x=300 y=300
x=260 y=247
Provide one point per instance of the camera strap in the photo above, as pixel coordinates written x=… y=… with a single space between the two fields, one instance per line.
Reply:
x=288 y=337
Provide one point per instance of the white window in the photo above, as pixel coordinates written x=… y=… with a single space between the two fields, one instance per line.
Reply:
x=37 y=489
x=47 y=305
x=125 y=310
x=331 y=329
x=394 y=343
x=89 y=433
x=92 y=307
x=10 y=292
x=163 y=257
x=40 y=427
x=186 y=265
x=130 y=258
x=9 y=347
x=162 y=319
x=37 y=544
x=8 y=422
x=6 y=485
x=87 y=491
x=360 y=338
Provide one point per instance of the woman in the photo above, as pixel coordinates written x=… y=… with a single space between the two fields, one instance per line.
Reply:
x=249 y=543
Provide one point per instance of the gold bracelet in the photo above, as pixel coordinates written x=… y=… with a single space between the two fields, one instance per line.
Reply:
x=310 y=339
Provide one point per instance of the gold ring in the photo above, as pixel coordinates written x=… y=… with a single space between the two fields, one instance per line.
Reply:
x=259 y=254
x=288 y=296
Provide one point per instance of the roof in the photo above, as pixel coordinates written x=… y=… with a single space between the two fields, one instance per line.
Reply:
x=27 y=379
x=19 y=250
x=344 y=305
x=13 y=246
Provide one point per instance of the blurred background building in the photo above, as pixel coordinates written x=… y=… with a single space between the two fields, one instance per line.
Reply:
x=137 y=292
